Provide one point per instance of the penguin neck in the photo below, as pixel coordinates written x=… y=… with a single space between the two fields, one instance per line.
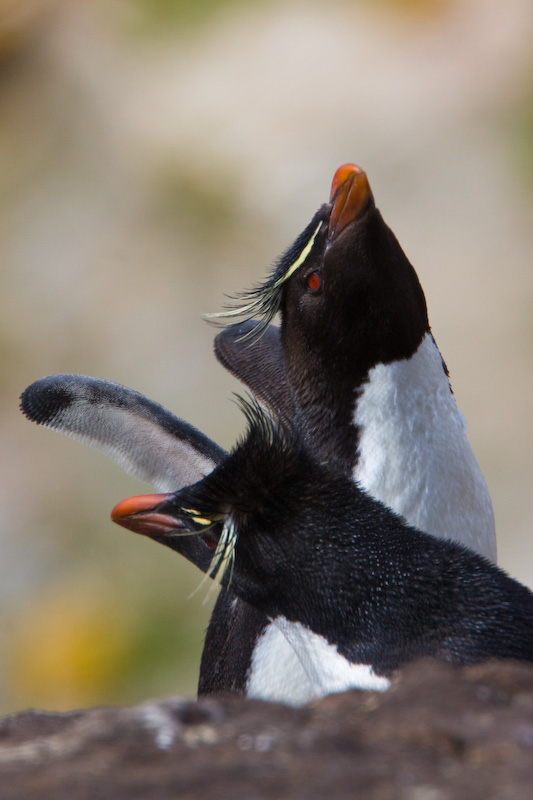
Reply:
x=328 y=365
x=327 y=412
x=326 y=384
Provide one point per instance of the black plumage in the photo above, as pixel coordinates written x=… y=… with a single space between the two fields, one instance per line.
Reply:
x=313 y=548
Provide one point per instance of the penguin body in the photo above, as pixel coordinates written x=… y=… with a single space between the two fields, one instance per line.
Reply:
x=355 y=591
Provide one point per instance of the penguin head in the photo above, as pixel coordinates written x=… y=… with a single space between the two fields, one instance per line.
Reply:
x=348 y=298
x=345 y=284
x=356 y=300
x=257 y=512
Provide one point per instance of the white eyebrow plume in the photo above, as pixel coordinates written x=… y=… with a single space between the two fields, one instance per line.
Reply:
x=264 y=301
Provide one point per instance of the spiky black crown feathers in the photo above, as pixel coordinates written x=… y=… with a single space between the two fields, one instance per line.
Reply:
x=265 y=467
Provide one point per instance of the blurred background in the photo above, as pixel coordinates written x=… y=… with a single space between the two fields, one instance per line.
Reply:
x=157 y=154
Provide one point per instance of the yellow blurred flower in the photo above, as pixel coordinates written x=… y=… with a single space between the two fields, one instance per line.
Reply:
x=68 y=650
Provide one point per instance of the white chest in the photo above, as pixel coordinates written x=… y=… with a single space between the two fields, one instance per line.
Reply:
x=293 y=665
x=414 y=455
x=276 y=673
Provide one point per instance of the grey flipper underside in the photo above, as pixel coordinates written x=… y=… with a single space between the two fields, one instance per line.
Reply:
x=144 y=438
x=258 y=363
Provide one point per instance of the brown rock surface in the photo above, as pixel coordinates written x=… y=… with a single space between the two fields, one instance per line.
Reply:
x=438 y=733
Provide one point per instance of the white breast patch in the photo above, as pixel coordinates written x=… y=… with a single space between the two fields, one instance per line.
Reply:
x=414 y=455
x=326 y=669
x=276 y=673
x=293 y=665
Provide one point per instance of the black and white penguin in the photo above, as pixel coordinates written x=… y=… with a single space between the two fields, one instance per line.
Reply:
x=355 y=364
x=356 y=591
x=364 y=375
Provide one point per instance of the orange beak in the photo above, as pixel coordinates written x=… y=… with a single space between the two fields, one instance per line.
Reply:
x=350 y=195
x=141 y=515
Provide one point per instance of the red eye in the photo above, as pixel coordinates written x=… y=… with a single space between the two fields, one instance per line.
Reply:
x=314 y=282
x=210 y=540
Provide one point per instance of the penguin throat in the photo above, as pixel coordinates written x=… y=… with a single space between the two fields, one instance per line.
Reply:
x=328 y=413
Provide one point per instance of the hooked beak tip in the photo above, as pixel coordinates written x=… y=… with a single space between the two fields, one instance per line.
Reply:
x=350 y=195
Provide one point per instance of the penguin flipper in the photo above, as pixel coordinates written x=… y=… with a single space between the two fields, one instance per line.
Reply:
x=234 y=628
x=145 y=439
x=258 y=363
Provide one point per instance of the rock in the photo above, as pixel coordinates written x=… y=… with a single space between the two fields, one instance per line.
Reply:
x=437 y=734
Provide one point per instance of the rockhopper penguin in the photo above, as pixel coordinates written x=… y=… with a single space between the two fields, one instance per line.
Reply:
x=356 y=591
x=353 y=367
x=364 y=375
